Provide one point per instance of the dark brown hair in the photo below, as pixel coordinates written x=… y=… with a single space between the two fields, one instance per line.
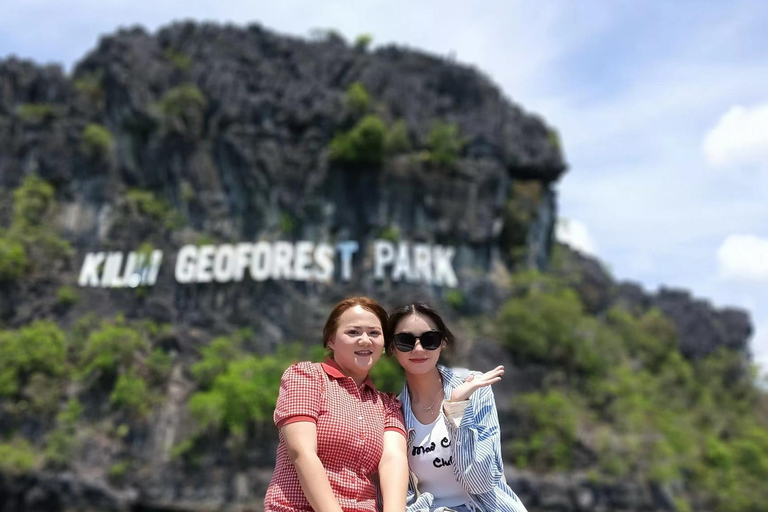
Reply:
x=332 y=324
x=418 y=309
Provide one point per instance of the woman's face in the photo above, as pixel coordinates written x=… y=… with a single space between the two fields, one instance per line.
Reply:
x=418 y=360
x=357 y=343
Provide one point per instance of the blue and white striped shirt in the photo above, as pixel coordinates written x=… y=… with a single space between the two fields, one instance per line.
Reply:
x=476 y=447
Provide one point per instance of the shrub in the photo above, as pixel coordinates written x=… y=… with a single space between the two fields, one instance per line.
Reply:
x=445 y=144
x=159 y=364
x=43 y=246
x=553 y=137
x=287 y=223
x=551 y=435
x=180 y=60
x=245 y=393
x=364 y=144
x=546 y=324
x=31 y=202
x=240 y=390
x=61 y=441
x=390 y=233
x=71 y=413
x=520 y=210
x=650 y=339
x=187 y=191
x=533 y=325
x=38 y=347
x=13 y=259
x=645 y=411
x=388 y=375
x=177 y=101
x=17 y=457
x=145 y=202
x=363 y=41
x=97 y=141
x=118 y=471
x=215 y=359
x=42 y=393
x=67 y=295
x=111 y=348
x=208 y=409
x=59 y=447
x=454 y=298
x=398 y=141
x=182 y=109
x=89 y=85
x=357 y=99
x=130 y=393
x=36 y=113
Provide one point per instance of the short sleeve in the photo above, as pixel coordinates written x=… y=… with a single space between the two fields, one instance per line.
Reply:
x=393 y=413
x=300 y=392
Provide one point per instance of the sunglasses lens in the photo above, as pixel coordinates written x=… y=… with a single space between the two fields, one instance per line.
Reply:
x=431 y=340
x=404 y=342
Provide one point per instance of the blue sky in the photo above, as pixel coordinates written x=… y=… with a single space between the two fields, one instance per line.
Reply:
x=662 y=108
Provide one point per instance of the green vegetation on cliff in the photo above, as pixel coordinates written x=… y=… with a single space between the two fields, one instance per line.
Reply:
x=13 y=258
x=445 y=144
x=181 y=110
x=238 y=390
x=97 y=141
x=47 y=373
x=619 y=400
x=370 y=141
x=31 y=243
x=357 y=100
x=36 y=113
x=363 y=144
x=147 y=203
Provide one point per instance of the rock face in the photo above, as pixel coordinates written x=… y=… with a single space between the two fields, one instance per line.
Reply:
x=249 y=159
x=701 y=328
x=229 y=129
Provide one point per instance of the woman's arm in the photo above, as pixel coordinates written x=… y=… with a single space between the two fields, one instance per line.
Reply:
x=301 y=441
x=393 y=472
x=477 y=444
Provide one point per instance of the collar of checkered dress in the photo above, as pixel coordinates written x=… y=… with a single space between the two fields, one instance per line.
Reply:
x=331 y=368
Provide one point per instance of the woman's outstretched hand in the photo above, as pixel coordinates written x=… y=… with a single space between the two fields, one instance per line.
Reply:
x=471 y=383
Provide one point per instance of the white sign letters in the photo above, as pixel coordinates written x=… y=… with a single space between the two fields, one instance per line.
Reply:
x=262 y=260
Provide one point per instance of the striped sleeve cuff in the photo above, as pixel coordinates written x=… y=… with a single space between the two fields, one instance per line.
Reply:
x=454 y=411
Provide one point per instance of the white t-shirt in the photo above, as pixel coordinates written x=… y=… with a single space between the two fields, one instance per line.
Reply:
x=430 y=459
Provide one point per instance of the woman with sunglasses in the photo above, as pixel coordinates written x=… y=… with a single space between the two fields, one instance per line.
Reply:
x=454 y=446
x=339 y=436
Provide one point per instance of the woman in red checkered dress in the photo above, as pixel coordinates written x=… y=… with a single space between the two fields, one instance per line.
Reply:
x=338 y=434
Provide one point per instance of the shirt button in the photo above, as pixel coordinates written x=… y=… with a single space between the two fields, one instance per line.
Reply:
x=360 y=418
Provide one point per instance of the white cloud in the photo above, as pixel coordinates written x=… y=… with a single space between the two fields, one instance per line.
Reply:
x=575 y=234
x=740 y=137
x=743 y=257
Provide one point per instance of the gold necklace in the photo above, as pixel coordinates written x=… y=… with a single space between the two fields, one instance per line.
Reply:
x=425 y=409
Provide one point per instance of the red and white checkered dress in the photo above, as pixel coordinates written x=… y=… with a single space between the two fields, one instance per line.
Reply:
x=350 y=435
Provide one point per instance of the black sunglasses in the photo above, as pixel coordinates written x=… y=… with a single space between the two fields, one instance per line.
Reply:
x=430 y=340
